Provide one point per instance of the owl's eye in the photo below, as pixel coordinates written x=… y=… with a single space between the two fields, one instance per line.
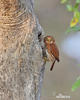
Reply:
x=49 y=39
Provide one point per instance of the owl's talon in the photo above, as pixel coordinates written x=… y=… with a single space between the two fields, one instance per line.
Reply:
x=46 y=59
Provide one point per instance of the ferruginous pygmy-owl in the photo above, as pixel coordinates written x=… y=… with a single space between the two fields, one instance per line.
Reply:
x=52 y=51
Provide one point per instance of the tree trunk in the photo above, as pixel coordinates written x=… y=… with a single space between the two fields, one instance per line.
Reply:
x=21 y=51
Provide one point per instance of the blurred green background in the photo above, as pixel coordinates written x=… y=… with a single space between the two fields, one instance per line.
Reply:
x=55 y=19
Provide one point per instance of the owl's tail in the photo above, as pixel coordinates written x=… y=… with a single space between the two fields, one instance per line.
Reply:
x=52 y=65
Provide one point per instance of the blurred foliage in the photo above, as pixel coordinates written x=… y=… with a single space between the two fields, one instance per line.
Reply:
x=73 y=29
x=74 y=8
x=76 y=85
x=74 y=24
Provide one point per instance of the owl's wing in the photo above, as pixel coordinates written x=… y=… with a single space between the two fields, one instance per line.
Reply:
x=54 y=50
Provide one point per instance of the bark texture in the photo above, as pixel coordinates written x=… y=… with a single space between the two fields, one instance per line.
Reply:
x=21 y=51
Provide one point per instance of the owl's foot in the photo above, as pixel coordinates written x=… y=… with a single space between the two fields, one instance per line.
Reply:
x=45 y=59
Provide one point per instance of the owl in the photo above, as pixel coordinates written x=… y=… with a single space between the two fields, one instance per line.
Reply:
x=52 y=51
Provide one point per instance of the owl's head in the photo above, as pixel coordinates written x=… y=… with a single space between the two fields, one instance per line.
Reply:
x=49 y=39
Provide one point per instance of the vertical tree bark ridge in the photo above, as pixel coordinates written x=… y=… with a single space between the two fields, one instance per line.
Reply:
x=21 y=59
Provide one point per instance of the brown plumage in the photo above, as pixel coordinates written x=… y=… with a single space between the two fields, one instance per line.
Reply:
x=51 y=50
